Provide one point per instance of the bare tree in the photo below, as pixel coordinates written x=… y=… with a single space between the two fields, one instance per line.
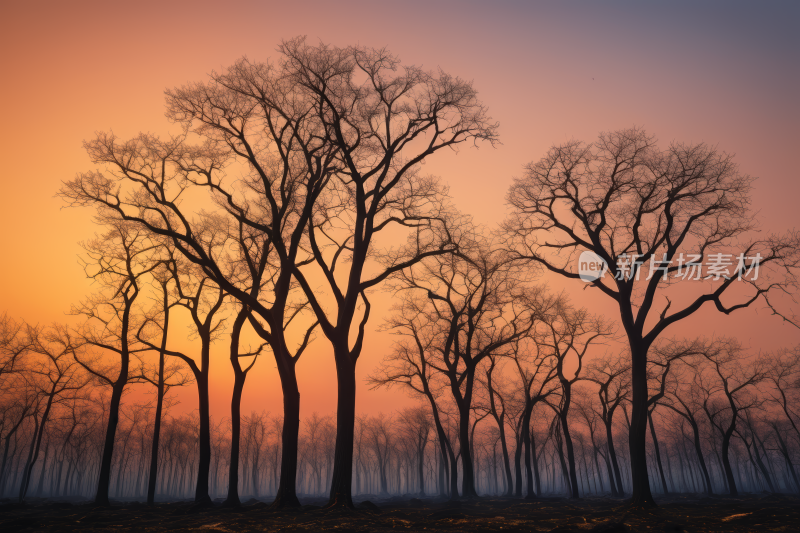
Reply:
x=256 y=430
x=778 y=431
x=497 y=408
x=239 y=376
x=611 y=373
x=416 y=424
x=314 y=455
x=320 y=122
x=54 y=370
x=118 y=260
x=729 y=391
x=165 y=376
x=630 y=204
x=566 y=334
x=748 y=433
x=20 y=402
x=537 y=371
x=585 y=409
x=14 y=341
x=203 y=298
x=381 y=443
x=384 y=120
x=17 y=396
x=253 y=115
x=477 y=307
x=685 y=398
x=409 y=365
x=783 y=374
x=664 y=357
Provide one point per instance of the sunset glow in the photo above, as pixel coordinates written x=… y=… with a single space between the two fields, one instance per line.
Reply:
x=721 y=73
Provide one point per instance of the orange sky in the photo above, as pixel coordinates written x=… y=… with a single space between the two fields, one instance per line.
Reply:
x=722 y=72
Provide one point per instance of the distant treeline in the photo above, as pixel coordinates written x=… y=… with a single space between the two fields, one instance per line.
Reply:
x=54 y=418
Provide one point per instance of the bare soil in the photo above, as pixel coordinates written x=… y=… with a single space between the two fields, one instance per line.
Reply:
x=689 y=513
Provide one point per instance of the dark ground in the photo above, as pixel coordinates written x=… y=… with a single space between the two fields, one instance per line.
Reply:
x=690 y=513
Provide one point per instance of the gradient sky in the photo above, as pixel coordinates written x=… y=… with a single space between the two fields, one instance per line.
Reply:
x=726 y=73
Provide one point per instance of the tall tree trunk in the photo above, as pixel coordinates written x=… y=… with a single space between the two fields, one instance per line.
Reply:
x=453 y=462
x=151 y=481
x=526 y=444
x=441 y=458
x=286 y=496
x=467 y=468
x=563 y=412
x=239 y=377
x=201 y=495
x=236 y=424
x=8 y=436
x=153 y=477
x=637 y=436
x=421 y=466
x=756 y=442
x=340 y=494
x=506 y=462
x=699 y=451
x=658 y=452
x=726 y=463
x=612 y=454
x=609 y=468
x=517 y=466
x=562 y=462
x=36 y=441
x=758 y=464
x=104 y=481
x=785 y=452
x=535 y=460
x=40 y=485
x=444 y=460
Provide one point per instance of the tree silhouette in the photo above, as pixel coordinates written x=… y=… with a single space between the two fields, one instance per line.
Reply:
x=632 y=203
x=728 y=392
x=164 y=377
x=384 y=120
x=687 y=402
x=53 y=370
x=497 y=408
x=416 y=427
x=409 y=365
x=118 y=260
x=240 y=374
x=536 y=370
x=203 y=299
x=612 y=374
x=566 y=334
x=476 y=308
x=238 y=114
